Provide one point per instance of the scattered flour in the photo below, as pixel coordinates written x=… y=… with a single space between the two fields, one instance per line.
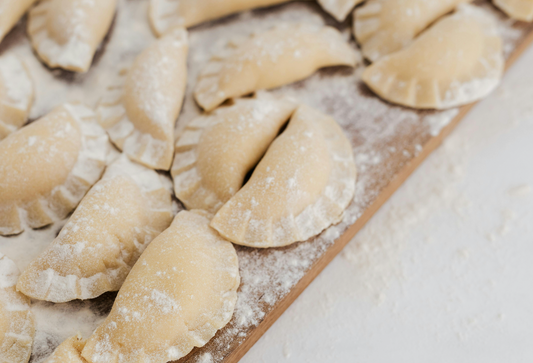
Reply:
x=520 y=191
x=440 y=120
x=376 y=251
x=205 y=358
x=384 y=138
x=508 y=216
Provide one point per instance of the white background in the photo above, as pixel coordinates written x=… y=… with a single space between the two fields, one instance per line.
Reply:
x=444 y=271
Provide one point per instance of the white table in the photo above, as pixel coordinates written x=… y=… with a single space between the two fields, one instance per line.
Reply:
x=443 y=273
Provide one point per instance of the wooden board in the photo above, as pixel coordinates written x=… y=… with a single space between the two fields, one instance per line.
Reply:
x=389 y=143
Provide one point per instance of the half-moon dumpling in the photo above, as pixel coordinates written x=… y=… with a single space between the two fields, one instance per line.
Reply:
x=386 y=26
x=10 y=13
x=165 y=14
x=302 y=186
x=140 y=111
x=517 y=9
x=48 y=166
x=457 y=61
x=17 y=325
x=69 y=351
x=16 y=94
x=103 y=239
x=339 y=9
x=180 y=292
x=285 y=54
x=217 y=150
x=66 y=33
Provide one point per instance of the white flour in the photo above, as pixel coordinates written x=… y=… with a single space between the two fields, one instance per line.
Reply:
x=521 y=191
x=384 y=138
x=376 y=251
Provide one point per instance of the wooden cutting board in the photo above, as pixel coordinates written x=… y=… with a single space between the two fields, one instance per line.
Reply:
x=389 y=143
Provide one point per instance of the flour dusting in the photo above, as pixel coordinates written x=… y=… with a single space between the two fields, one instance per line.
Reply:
x=521 y=191
x=384 y=139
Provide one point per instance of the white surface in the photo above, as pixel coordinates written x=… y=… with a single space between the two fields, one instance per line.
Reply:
x=443 y=272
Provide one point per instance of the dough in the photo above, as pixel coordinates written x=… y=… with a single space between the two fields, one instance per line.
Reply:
x=285 y=54
x=140 y=110
x=165 y=14
x=217 y=150
x=301 y=186
x=180 y=292
x=457 y=61
x=10 y=13
x=16 y=94
x=66 y=33
x=69 y=351
x=48 y=166
x=517 y=9
x=103 y=239
x=339 y=9
x=17 y=325
x=386 y=26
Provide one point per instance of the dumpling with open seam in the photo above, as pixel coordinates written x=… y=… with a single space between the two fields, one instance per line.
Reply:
x=217 y=150
x=140 y=109
x=66 y=33
x=284 y=54
x=17 y=323
x=102 y=240
x=48 y=166
x=386 y=26
x=456 y=61
x=302 y=185
x=178 y=295
x=16 y=94
x=165 y=14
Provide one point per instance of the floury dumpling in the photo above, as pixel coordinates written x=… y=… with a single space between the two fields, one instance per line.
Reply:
x=300 y=187
x=66 y=33
x=140 y=109
x=456 y=61
x=180 y=292
x=48 y=166
x=284 y=54
x=96 y=249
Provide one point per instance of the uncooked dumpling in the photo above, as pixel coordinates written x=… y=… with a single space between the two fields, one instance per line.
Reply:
x=302 y=186
x=180 y=292
x=48 y=166
x=66 y=33
x=10 y=13
x=457 y=61
x=217 y=150
x=16 y=94
x=285 y=54
x=69 y=351
x=140 y=110
x=165 y=14
x=17 y=325
x=517 y=9
x=339 y=9
x=103 y=239
x=386 y=26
